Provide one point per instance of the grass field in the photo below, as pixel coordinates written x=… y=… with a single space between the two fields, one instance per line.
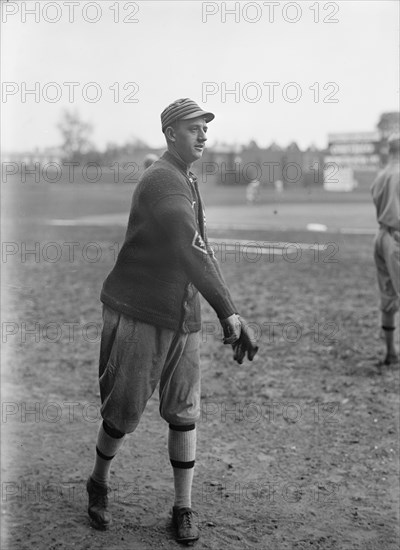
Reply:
x=226 y=206
x=297 y=450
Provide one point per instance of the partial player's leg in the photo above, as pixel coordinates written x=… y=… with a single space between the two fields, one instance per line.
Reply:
x=387 y=260
x=180 y=407
x=109 y=439
x=389 y=328
x=108 y=443
x=132 y=355
x=182 y=453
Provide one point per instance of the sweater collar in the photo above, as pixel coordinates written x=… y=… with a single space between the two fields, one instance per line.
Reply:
x=178 y=163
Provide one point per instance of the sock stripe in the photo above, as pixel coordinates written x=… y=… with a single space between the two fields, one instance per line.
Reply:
x=177 y=428
x=112 y=432
x=182 y=465
x=388 y=328
x=103 y=456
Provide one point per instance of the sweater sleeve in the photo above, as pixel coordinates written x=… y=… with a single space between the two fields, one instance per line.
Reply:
x=214 y=261
x=175 y=215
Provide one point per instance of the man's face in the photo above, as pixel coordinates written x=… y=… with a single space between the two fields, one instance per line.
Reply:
x=190 y=138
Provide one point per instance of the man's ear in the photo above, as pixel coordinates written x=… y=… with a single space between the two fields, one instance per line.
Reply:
x=170 y=133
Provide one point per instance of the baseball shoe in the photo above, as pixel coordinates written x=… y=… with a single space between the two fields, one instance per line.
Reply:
x=184 y=523
x=391 y=359
x=98 y=504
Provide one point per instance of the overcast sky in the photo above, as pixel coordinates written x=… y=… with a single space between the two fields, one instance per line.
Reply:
x=194 y=49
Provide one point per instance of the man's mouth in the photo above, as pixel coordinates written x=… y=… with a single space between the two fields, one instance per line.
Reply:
x=199 y=147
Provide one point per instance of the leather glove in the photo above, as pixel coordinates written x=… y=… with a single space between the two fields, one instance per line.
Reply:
x=245 y=344
x=231 y=327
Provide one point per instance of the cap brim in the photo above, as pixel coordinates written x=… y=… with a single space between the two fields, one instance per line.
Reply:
x=204 y=114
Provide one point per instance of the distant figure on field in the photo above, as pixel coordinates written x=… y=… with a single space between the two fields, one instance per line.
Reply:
x=386 y=196
x=278 y=184
x=253 y=191
x=253 y=187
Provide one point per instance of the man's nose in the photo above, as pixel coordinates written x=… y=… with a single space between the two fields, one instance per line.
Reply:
x=202 y=136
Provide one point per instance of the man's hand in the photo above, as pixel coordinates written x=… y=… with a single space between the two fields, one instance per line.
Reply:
x=231 y=327
x=245 y=344
x=240 y=335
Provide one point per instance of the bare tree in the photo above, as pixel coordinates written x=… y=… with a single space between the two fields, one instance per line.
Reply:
x=75 y=133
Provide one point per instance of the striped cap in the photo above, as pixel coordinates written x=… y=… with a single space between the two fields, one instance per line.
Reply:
x=183 y=109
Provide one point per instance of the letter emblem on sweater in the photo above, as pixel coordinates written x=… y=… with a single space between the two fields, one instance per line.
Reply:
x=199 y=244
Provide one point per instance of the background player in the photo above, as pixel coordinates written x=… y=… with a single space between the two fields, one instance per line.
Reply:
x=386 y=196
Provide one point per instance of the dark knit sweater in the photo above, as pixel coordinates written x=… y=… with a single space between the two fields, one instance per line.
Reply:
x=165 y=259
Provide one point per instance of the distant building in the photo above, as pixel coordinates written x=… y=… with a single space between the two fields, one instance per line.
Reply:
x=233 y=165
x=268 y=162
x=221 y=164
x=349 y=155
x=354 y=158
x=357 y=150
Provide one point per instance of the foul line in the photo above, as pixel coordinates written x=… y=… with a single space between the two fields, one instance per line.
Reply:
x=120 y=220
x=266 y=247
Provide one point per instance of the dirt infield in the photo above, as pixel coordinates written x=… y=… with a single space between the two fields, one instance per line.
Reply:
x=296 y=450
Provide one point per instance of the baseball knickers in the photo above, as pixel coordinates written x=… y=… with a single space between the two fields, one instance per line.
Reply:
x=387 y=260
x=134 y=358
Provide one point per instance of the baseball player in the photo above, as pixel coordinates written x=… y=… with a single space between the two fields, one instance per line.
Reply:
x=151 y=315
x=386 y=196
